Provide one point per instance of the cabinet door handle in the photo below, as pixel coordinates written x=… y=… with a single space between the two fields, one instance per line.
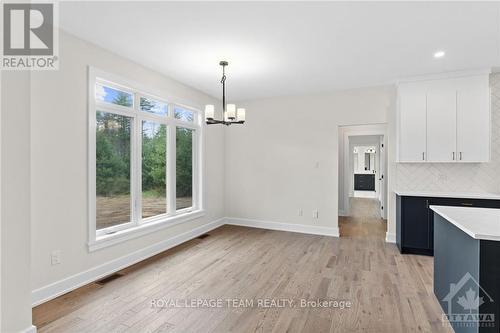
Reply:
x=423 y=156
x=460 y=156
x=453 y=155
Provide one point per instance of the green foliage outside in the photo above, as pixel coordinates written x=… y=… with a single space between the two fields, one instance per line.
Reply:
x=113 y=155
x=153 y=161
x=184 y=162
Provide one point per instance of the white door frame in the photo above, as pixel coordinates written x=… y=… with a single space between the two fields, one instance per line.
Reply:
x=383 y=177
x=360 y=130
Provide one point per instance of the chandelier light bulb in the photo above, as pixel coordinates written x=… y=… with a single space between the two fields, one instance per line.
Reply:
x=209 y=111
x=241 y=114
x=231 y=111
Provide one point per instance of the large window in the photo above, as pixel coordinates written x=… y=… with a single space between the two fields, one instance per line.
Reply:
x=145 y=159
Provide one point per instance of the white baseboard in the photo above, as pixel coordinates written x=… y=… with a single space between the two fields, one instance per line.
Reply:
x=301 y=228
x=390 y=238
x=31 y=329
x=61 y=287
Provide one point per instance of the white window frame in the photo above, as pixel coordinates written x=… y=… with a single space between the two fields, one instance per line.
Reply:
x=139 y=226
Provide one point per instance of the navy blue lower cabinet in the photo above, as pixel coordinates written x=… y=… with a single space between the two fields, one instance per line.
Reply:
x=414 y=225
x=364 y=182
x=415 y=220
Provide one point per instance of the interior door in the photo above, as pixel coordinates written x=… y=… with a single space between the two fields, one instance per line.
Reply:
x=412 y=122
x=473 y=119
x=441 y=122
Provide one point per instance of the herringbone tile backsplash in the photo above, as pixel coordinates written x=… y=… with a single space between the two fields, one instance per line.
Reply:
x=450 y=177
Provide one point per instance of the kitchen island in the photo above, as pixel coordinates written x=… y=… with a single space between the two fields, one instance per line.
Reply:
x=467 y=267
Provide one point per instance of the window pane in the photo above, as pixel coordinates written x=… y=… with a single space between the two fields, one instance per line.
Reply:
x=113 y=96
x=153 y=106
x=154 y=165
x=183 y=114
x=112 y=170
x=184 y=166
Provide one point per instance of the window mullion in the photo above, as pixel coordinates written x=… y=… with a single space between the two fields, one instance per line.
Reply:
x=137 y=162
x=154 y=118
x=113 y=108
x=92 y=183
x=194 y=171
x=138 y=174
x=199 y=171
x=171 y=169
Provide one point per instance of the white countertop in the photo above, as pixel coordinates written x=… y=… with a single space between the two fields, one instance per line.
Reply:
x=364 y=172
x=462 y=195
x=479 y=223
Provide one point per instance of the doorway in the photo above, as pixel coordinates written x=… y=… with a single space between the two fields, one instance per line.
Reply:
x=362 y=181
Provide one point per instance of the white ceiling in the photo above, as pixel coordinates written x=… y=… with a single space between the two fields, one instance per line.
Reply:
x=284 y=48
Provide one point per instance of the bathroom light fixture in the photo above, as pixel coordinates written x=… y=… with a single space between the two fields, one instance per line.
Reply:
x=230 y=114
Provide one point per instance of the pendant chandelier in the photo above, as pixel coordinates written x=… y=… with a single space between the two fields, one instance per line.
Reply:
x=230 y=115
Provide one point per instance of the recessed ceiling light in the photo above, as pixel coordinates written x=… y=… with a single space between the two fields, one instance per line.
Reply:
x=439 y=54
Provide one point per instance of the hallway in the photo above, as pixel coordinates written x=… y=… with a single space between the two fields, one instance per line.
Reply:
x=365 y=220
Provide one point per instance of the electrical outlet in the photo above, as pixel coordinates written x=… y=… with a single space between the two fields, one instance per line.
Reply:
x=315 y=214
x=300 y=212
x=55 y=257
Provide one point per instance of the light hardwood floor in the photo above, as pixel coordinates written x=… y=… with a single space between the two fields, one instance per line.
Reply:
x=389 y=292
x=364 y=220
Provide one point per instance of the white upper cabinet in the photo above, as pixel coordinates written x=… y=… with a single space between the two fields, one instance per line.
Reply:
x=473 y=119
x=412 y=105
x=444 y=120
x=441 y=121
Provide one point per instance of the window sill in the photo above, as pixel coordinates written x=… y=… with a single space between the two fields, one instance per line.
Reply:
x=104 y=241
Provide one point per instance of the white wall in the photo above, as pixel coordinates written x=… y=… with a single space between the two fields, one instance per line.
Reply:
x=59 y=161
x=271 y=161
x=15 y=202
